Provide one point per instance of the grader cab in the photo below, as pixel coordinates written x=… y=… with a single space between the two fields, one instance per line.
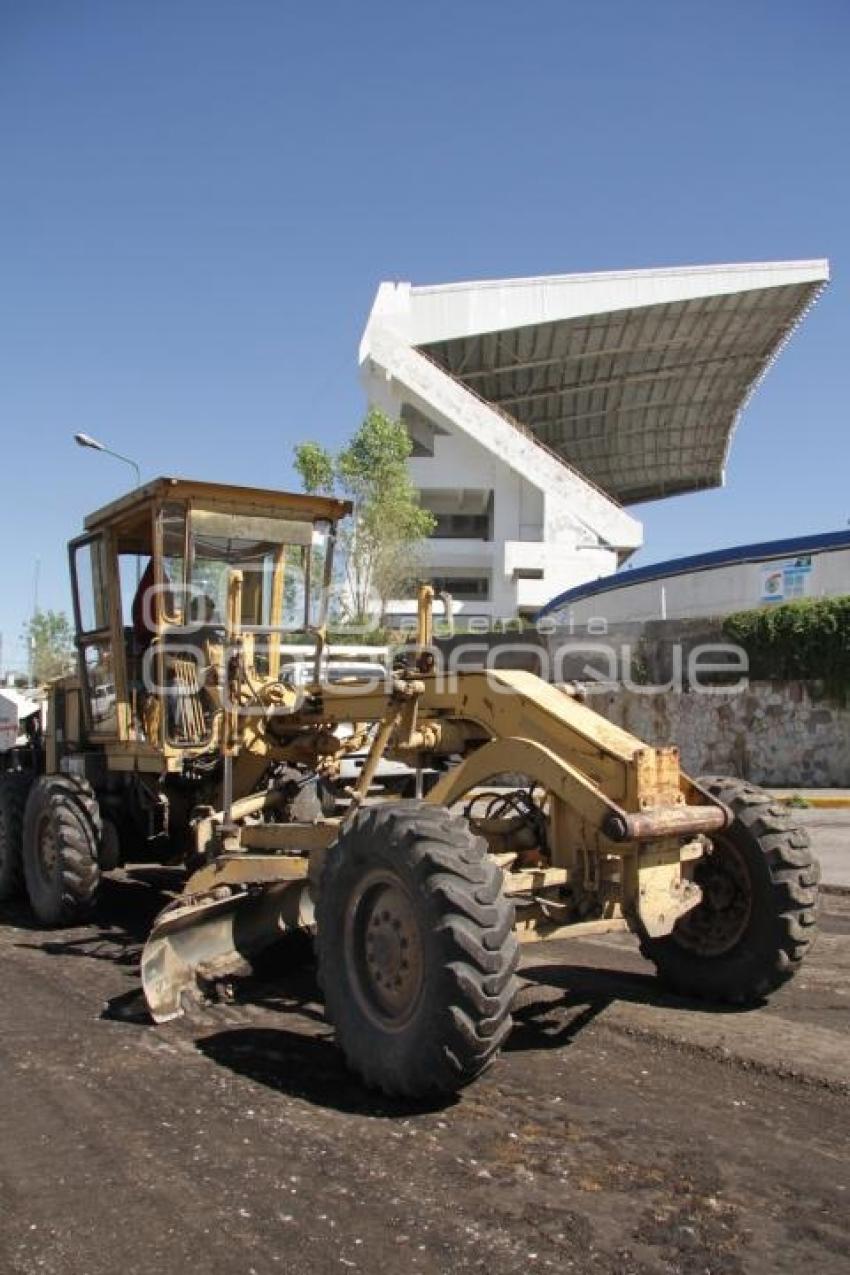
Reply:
x=182 y=740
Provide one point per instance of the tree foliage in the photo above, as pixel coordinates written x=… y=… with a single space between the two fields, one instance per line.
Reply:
x=381 y=546
x=49 y=639
x=315 y=466
x=809 y=639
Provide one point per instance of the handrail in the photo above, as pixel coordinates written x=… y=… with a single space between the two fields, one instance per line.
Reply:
x=521 y=428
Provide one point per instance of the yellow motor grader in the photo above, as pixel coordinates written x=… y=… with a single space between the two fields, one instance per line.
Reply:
x=181 y=739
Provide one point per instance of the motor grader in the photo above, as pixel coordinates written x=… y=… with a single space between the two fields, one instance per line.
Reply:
x=180 y=739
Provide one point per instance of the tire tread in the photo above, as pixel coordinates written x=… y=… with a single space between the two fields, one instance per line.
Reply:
x=792 y=894
x=14 y=789
x=71 y=803
x=474 y=927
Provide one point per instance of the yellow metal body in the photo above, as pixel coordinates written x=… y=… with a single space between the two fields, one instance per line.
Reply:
x=621 y=817
x=618 y=826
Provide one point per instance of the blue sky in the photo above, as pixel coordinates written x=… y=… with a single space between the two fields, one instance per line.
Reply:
x=198 y=199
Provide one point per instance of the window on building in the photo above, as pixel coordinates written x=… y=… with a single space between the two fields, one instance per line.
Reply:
x=462 y=527
x=461 y=513
x=464 y=588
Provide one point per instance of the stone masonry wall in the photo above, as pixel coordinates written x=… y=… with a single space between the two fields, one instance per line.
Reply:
x=781 y=734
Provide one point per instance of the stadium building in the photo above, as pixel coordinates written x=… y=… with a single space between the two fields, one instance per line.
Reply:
x=712 y=584
x=540 y=409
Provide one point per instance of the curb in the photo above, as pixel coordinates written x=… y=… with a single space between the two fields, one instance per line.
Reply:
x=816 y=803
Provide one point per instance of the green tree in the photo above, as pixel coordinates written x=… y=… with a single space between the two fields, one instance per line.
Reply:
x=315 y=466
x=382 y=546
x=49 y=639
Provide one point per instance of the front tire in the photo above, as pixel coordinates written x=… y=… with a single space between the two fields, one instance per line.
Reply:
x=14 y=787
x=756 y=920
x=416 y=951
x=62 y=834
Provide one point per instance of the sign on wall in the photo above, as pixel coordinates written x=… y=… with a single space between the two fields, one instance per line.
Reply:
x=786 y=581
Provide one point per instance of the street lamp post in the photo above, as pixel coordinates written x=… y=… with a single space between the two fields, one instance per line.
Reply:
x=86 y=440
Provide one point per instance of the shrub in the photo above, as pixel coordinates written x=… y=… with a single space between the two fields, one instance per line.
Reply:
x=809 y=639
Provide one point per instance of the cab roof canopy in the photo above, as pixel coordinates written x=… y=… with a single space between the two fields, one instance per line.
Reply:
x=128 y=512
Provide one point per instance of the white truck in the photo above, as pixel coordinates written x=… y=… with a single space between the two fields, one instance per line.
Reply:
x=20 y=724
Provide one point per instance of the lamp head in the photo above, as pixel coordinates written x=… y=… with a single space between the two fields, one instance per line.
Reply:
x=86 y=440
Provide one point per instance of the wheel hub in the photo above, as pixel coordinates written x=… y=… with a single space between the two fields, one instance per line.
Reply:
x=720 y=919
x=384 y=949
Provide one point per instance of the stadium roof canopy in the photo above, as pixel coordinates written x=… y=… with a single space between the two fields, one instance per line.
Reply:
x=635 y=379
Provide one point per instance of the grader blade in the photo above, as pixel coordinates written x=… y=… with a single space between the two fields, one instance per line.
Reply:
x=200 y=940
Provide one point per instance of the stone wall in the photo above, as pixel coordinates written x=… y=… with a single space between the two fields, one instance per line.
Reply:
x=781 y=734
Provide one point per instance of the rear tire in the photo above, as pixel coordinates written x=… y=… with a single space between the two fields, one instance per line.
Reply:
x=62 y=834
x=416 y=951
x=756 y=921
x=14 y=787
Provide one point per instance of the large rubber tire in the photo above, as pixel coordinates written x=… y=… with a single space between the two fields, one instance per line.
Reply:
x=763 y=855
x=446 y=912
x=14 y=787
x=62 y=832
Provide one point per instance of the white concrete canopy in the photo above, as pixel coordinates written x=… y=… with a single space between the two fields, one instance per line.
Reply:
x=593 y=390
x=635 y=378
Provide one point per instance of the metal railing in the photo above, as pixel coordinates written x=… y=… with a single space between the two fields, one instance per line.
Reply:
x=525 y=430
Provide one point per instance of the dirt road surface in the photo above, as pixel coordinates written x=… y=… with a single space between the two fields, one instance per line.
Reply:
x=621 y=1131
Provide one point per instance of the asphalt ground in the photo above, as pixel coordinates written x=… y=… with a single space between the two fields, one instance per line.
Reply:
x=830 y=833
x=621 y=1131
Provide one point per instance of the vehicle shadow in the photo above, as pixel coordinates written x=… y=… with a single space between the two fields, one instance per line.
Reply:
x=306 y=1066
x=289 y=989
x=126 y=908
x=555 y=1004
x=546 y=1021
